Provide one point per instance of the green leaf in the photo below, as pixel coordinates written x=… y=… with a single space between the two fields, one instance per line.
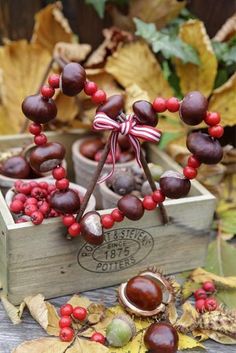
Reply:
x=221 y=261
x=169 y=46
x=220 y=49
x=221 y=78
x=99 y=6
x=168 y=137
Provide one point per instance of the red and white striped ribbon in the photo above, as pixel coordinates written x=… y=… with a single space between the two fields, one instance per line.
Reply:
x=129 y=127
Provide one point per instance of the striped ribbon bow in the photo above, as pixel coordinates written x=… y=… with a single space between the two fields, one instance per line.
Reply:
x=129 y=127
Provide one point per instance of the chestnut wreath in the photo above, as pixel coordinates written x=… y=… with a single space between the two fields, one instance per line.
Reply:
x=46 y=156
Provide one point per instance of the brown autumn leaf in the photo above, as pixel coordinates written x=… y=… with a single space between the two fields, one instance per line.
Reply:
x=223 y=101
x=96 y=312
x=14 y=313
x=43 y=345
x=44 y=313
x=23 y=66
x=78 y=300
x=51 y=27
x=197 y=77
x=133 y=94
x=71 y=51
x=87 y=346
x=227 y=31
x=187 y=321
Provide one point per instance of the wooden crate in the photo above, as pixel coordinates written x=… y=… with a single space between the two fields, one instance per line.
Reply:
x=38 y=259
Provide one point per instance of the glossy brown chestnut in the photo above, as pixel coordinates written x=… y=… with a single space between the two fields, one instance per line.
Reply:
x=91 y=228
x=113 y=106
x=144 y=293
x=15 y=167
x=145 y=114
x=39 y=109
x=88 y=148
x=204 y=147
x=44 y=158
x=131 y=206
x=65 y=201
x=161 y=338
x=174 y=185
x=72 y=80
x=193 y=108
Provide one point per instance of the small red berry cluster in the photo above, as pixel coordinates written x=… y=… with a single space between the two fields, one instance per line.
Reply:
x=204 y=301
x=70 y=314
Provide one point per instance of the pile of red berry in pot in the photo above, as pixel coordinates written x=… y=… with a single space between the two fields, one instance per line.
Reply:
x=204 y=300
x=70 y=315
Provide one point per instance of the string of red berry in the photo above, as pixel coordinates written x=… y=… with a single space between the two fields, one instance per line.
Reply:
x=204 y=301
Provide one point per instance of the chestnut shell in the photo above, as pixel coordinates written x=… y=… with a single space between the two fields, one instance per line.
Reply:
x=44 y=158
x=131 y=206
x=193 y=108
x=67 y=201
x=112 y=106
x=144 y=113
x=174 y=185
x=73 y=77
x=91 y=228
x=39 y=109
x=161 y=338
x=15 y=167
x=205 y=148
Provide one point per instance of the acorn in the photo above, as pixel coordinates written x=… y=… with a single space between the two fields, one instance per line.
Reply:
x=113 y=106
x=88 y=148
x=46 y=157
x=91 y=228
x=15 y=167
x=120 y=331
x=72 y=79
x=206 y=149
x=39 y=109
x=174 y=185
x=67 y=201
x=193 y=108
x=161 y=337
x=144 y=113
x=131 y=207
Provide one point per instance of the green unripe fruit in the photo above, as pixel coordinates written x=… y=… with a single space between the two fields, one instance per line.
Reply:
x=120 y=331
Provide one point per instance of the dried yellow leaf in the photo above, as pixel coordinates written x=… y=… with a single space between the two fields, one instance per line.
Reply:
x=86 y=346
x=67 y=108
x=200 y=276
x=72 y=51
x=219 y=337
x=78 y=300
x=43 y=345
x=197 y=77
x=51 y=27
x=14 y=313
x=187 y=342
x=187 y=322
x=133 y=94
x=223 y=101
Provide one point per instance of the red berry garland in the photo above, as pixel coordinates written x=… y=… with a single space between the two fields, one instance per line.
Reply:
x=47 y=156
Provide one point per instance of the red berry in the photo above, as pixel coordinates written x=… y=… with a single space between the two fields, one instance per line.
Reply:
x=216 y=131
x=21 y=197
x=35 y=129
x=211 y=304
x=200 y=294
x=21 y=220
x=25 y=188
x=212 y=118
x=90 y=88
x=47 y=91
x=62 y=184
x=51 y=188
x=66 y=334
x=54 y=80
x=80 y=313
x=74 y=229
x=31 y=200
x=65 y=321
x=43 y=185
x=158 y=196
x=117 y=215
x=29 y=209
x=39 y=193
x=172 y=104
x=200 y=305
x=209 y=287
x=98 y=337
x=159 y=105
x=33 y=184
x=53 y=213
x=190 y=172
x=16 y=206
x=37 y=217
x=149 y=203
x=66 y=310
x=68 y=220
x=59 y=173
x=99 y=97
x=40 y=140
x=193 y=162
x=107 y=221
x=44 y=208
x=17 y=185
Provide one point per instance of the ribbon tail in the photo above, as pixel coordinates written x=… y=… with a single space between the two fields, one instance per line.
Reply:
x=114 y=139
x=137 y=149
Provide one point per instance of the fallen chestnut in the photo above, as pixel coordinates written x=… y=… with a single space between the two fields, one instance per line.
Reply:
x=67 y=201
x=44 y=158
x=161 y=338
x=144 y=113
x=131 y=206
x=174 y=185
x=72 y=79
x=39 y=109
x=122 y=182
x=113 y=106
x=91 y=228
x=15 y=167
x=193 y=108
x=89 y=147
x=144 y=293
x=206 y=149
